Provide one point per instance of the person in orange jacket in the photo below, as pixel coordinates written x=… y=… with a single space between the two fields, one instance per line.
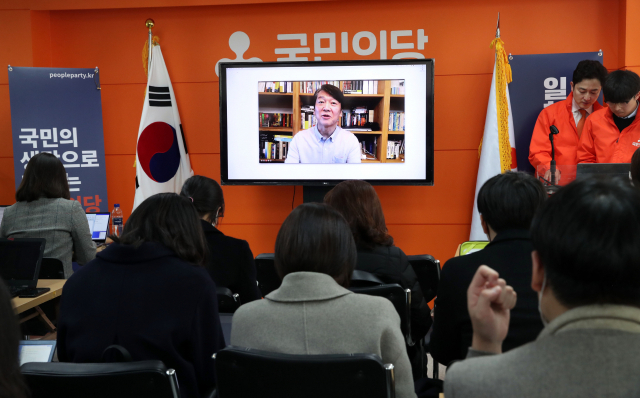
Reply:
x=569 y=117
x=612 y=135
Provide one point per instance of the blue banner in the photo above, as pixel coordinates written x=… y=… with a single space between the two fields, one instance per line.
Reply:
x=59 y=110
x=539 y=80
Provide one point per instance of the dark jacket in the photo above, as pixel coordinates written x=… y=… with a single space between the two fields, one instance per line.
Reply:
x=231 y=263
x=510 y=255
x=391 y=265
x=152 y=303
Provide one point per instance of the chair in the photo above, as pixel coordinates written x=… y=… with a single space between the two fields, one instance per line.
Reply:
x=364 y=279
x=401 y=300
x=228 y=302
x=244 y=372
x=427 y=270
x=51 y=268
x=268 y=279
x=101 y=380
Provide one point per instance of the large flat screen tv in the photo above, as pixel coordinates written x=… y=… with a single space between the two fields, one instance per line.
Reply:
x=319 y=123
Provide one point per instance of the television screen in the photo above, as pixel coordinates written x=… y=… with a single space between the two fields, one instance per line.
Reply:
x=319 y=123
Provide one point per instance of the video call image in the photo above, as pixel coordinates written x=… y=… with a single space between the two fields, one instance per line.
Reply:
x=317 y=122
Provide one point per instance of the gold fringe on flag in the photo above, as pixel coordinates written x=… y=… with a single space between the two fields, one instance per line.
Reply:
x=503 y=76
x=145 y=54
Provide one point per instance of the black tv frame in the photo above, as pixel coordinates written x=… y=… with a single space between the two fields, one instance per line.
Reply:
x=224 y=172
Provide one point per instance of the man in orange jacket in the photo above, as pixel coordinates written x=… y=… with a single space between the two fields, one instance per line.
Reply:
x=569 y=117
x=612 y=135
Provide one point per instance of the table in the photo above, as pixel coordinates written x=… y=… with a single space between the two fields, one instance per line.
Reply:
x=21 y=305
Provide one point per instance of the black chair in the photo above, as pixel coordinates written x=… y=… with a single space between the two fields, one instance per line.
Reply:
x=401 y=300
x=51 y=268
x=228 y=302
x=141 y=379
x=244 y=372
x=427 y=269
x=268 y=279
x=364 y=279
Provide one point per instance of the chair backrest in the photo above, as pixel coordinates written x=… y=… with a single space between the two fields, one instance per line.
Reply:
x=268 y=279
x=100 y=380
x=364 y=279
x=244 y=372
x=51 y=268
x=401 y=300
x=228 y=302
x=427 y=270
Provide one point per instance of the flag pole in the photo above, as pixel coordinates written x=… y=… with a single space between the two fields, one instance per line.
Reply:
x=498 y=27
x=149 y=24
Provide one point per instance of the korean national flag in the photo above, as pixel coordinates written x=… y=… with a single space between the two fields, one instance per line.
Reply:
x=162 y=160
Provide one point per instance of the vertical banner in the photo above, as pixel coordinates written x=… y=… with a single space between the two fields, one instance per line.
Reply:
x=59 y=111
x=539 y=80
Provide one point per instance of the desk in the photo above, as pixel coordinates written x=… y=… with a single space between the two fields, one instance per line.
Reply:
x=22 y=304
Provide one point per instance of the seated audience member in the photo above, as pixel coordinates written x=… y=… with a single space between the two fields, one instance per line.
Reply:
x=635 y=169
x=11 y=383
x=315 y=255
x=506 y=203
x=358 y=203
x=611 y=134
x=585 y=270
x=231 y=263
x=149 y=293
x=43 y=210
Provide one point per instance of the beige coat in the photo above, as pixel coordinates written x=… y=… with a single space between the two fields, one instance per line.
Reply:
x=311 y=314
x=589 y=351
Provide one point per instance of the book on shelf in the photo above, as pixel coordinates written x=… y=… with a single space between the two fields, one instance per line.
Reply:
x=307 y=117
x=368 y=146
x=366 y=87
x=274 y=148
x=394 y=149
x=397 y=87
x=396 y=121
x=276 y=120
x=359 y=116
x=307 y=87
x=275 y=87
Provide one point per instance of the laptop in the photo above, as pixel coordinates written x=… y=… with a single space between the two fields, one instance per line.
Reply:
x=99 y=226
x=586 y=170
x=20 y=261
x=36 y=351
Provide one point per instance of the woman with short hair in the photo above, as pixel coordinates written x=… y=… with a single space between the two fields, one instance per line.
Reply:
x=43 y=210
x=359 y=204
x=231 y=262
x=312 y=312
x=148 y=293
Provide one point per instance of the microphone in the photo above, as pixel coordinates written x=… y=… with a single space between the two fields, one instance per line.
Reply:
x=553 y=131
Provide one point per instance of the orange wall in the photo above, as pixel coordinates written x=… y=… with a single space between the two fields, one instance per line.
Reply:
x=422 y=219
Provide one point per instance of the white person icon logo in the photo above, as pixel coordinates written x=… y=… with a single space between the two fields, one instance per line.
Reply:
x=239 y=44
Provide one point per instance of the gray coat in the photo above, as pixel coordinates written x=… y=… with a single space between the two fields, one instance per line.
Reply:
x=590 y=351
x=61 y=222
x=311 y=314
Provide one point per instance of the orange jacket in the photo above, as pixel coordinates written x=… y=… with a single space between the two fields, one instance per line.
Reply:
x=566 y=142
x=602 y=142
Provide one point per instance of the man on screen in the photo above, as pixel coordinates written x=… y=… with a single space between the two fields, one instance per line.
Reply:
x=569 y=116
x=325 y=142
x=612 y=135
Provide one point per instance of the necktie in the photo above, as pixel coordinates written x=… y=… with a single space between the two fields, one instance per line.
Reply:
x=581 y=121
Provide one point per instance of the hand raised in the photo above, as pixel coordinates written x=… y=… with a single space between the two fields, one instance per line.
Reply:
x=489 y=301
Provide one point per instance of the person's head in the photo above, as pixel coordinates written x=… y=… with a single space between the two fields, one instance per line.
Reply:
x=45 y=177
x=168 y=219
x=206 y=195
x=328 y=101
x=509 y=201
x=635 y=168
x=358 y=203
x=621 y=92
x=11 y=381
x=588 y=79
x=585 y=238
x=316 y=238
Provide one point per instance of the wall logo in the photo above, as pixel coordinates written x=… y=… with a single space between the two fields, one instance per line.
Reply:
x=158 y=151
x=239 y=43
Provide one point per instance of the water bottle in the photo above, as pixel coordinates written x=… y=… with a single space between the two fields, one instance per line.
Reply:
x=116 y=220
